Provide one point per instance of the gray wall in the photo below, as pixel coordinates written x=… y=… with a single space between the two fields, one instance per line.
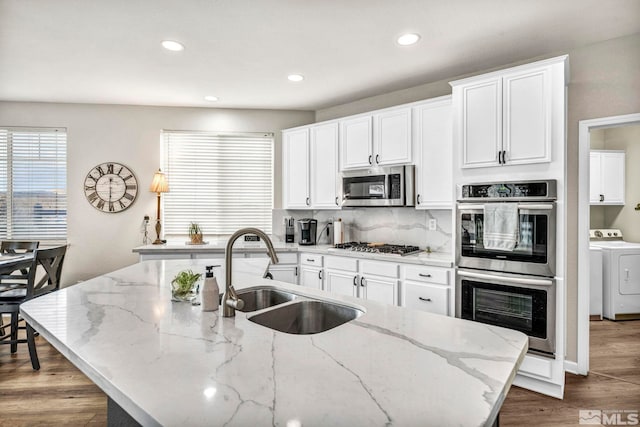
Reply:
x=102 y=242
x=604 y=81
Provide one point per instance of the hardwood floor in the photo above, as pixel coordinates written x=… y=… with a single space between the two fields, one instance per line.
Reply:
x=613 y=382
x=59 y=394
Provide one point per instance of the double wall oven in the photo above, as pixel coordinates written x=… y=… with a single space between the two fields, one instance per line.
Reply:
x=514 y=287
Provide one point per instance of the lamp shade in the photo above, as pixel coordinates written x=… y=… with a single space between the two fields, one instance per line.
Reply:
x=159 y=183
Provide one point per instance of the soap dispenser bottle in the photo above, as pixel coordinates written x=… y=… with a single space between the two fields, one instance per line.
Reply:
x=210 y=291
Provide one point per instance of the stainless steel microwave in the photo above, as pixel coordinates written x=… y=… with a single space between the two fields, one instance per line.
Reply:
x=382 y=186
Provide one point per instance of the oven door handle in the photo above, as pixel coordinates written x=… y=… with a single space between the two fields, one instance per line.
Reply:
x=521 y=206
x=517 y=280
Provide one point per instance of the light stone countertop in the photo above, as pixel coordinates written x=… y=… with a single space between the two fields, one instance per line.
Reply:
x=436 y=259
x=170 y=364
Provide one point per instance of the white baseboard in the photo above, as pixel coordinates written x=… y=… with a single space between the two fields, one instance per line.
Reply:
x=572 y=367
x=539 y=386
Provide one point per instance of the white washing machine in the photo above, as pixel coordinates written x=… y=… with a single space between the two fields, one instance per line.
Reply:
x=620 y=274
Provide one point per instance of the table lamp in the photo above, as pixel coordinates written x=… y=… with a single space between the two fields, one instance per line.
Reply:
x=159 y=185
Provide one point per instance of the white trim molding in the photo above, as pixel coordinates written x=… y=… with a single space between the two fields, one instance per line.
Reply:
x=581 y=366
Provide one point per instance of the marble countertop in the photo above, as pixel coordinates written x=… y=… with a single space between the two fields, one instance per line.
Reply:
x=169 y=363
x=436 y=259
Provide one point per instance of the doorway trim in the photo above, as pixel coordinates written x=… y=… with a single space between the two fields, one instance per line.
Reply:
x=584 y=218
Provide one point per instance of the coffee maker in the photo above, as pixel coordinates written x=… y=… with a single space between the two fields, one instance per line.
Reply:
x=308 y=228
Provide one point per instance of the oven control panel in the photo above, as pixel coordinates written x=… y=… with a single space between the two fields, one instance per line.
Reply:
x=510 y=190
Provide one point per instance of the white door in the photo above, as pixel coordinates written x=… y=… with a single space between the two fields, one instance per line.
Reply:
x=296 y=169
x=434 y=163
x=379 y=289
x=356 y=143
x=613 y=177
x=311 y=277
x=341 y=282
x=481 y=123
x=392 y=137
x=527 y=108
x=595 y=178
x=324 y=167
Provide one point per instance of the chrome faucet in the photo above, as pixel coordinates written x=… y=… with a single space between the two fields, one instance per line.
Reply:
x=230 y=301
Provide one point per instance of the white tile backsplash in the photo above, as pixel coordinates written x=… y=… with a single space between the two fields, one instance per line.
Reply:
x=406 y=226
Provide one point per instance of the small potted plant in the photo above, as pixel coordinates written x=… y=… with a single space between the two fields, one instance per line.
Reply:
x=195 y=233
x=182 y=285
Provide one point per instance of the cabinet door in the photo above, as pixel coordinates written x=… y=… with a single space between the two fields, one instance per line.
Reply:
x=481 y=124
x=325 y=180
x=613 y=176
x=341 y=282
x=392 y=137
x=311 y=277
x=288 y=274
x=296 y=169
x=434 y=163
x=527 y=117
x=595 y=178
x=355 y=143
x=379 y=289
x=431 y=298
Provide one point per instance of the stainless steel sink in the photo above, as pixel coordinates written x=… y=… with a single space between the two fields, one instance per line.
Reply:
x=265 y=297
x=306 y=317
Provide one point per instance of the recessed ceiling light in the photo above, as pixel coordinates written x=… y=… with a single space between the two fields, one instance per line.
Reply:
x=408 y=39
x=295 y=77
x=172 y=45
x=211 y=98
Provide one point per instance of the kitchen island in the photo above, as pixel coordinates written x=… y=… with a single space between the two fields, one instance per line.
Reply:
x=169 y=363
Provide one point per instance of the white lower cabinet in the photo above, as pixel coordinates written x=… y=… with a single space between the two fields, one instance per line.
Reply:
x=379 y=289
x=311 y=270
x=341 y=282
x=427 y=288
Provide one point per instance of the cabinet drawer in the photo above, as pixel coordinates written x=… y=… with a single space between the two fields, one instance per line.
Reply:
x=431 y=298
x=341 y=263
x=311 y=259
x=427 y=274
x=377 y=268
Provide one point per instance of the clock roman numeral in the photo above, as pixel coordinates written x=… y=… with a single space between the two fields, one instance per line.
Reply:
x=122 y=205
x=120 y=170
x=128 y=177
x=131 y=187
x=111 y=207
x=92 y=197
x=100 y=171
x=110 y=168
x=92 y=178
x=128 y=196
x=100 y=204
x=90 y=187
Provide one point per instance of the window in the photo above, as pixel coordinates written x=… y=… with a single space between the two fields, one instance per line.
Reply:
x=33 y=183
x=221 y=181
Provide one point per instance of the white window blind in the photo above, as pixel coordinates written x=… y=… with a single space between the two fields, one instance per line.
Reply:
x=221 y=181
x=33 y=183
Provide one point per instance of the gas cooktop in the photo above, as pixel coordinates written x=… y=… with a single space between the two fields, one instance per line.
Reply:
x=378 y=248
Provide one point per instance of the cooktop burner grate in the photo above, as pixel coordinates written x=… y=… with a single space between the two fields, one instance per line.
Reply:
x=378 y=248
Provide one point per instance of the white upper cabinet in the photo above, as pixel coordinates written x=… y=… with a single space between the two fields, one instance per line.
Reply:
x=607 y=177
x=433 y=140
x=325 y=178
x=295 y=170
x=310 y=167
x=356 y=149
x=392 y=137
x=505 y=117
x=381 y=139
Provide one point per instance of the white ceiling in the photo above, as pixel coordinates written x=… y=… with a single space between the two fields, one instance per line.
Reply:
x=108 y=51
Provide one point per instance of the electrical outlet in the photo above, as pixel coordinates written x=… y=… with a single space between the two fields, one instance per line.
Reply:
x=433 y=224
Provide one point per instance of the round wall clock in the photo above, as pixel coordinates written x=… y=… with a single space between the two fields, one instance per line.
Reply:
x=111 y=187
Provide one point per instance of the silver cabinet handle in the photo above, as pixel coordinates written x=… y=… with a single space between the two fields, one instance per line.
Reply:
x=362 y=282
x=424 y=275
x=424 y=299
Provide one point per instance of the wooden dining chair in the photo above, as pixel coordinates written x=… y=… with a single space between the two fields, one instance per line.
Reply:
x=18 y=278
x=43 y=277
